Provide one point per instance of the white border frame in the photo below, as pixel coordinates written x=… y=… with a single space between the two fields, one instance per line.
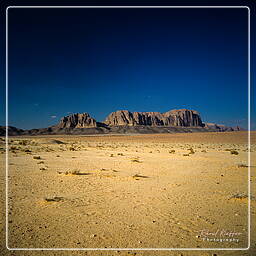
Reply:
x=135 y=249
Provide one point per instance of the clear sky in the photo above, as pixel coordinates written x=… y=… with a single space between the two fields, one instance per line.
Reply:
x=64 y=61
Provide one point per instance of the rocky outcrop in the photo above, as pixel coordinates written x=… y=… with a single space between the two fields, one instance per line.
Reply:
x=121 y=117
x=83 y=120
x=181 y=117
x=12 y=131
x=223 y=128
x=124 y=121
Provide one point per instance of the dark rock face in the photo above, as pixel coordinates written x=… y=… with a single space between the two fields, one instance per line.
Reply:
x=181 y=117
x=184 y=117
x=121 y=117
x=77 y=121
x=12 y=131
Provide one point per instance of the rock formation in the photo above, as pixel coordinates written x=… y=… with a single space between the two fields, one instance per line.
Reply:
x=124 y=121
x=12 y=131
x=181 y=117
x=83 y=120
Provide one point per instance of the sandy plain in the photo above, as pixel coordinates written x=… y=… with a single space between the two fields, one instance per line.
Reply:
x=129 y=191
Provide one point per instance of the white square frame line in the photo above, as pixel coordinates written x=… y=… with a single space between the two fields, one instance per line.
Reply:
x=134 y=249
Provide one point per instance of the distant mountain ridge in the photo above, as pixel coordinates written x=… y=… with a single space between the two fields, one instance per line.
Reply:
x=124 y=121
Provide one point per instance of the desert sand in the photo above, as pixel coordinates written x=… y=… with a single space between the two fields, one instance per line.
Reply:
x=129 y=191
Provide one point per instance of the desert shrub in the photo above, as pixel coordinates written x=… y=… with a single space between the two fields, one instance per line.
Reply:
x=239 y=196
x=172 y=151
x=136 y=160
x=185 y=154
x=71 y=173
x=54 y=199
x=136 y=176
x=234 y=152
x=24 y=142
x=191 y=151
x=242 y=165
x=37 y=157
x=74 y=172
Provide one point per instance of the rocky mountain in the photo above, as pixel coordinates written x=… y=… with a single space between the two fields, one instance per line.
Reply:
x=222 y=127
x=126 y=122
x=11 y=131
x=83 y=120
x=181 y=117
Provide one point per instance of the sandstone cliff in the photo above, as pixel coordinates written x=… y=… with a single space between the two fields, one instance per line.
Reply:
x=181 y=117
x=83 y=120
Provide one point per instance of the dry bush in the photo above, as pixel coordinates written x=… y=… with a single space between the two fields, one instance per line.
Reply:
x=54 y=199
x=136 y=160
x=137 y=176
x=242 y=165
x=192 y=151
x=239 y=196
x=74 y=172
x=24 y=142
x=234 y=152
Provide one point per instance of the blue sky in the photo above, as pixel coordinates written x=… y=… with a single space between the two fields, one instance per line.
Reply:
x=64 y=61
